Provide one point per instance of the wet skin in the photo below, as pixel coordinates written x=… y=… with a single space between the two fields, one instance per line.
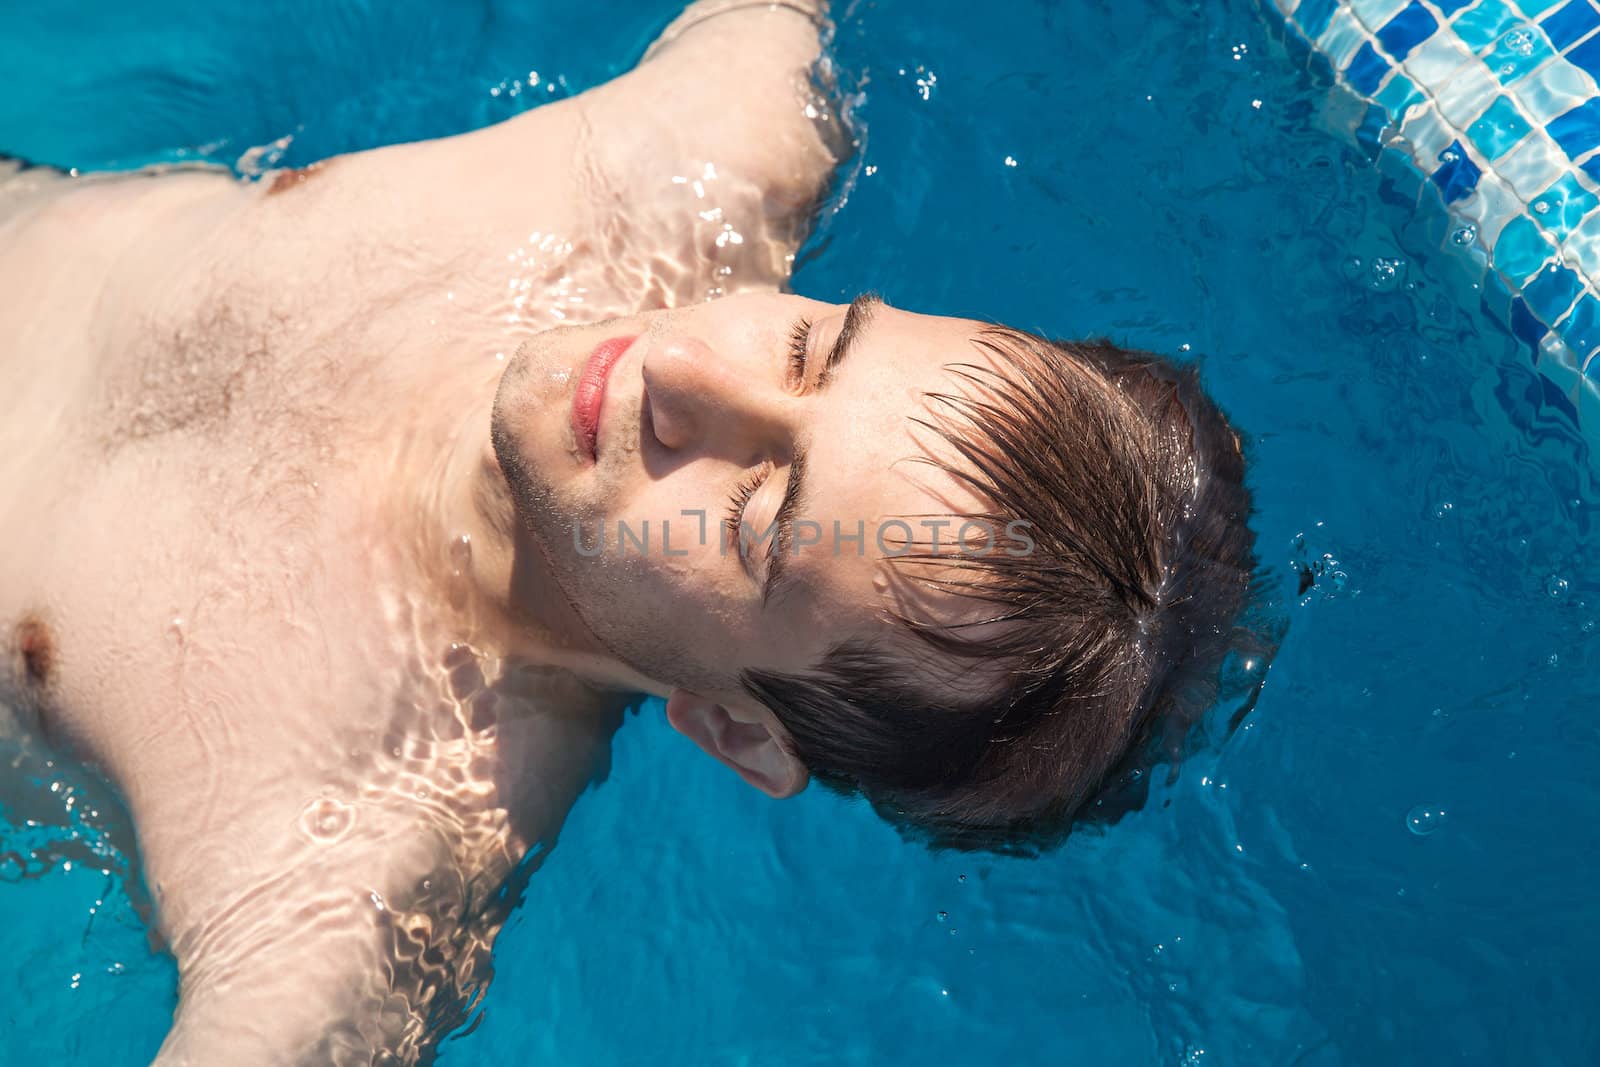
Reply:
x=267 y=574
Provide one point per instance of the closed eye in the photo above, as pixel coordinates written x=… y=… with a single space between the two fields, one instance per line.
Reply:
x=733 y=522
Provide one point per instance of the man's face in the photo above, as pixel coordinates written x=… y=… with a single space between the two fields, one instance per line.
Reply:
x=715 y=419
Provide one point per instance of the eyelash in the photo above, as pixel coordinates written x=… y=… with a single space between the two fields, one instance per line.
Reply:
x=741 y=499
x=799 y=334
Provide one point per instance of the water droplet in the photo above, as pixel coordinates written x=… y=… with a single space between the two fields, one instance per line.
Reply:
x=1465 y=235
x=1385 y=274
x=961 y=878
x=326 y=819
x=1424 y=819
x=943 y=915
x=1542 y=207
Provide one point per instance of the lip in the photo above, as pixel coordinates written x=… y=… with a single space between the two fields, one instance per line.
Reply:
x=590 y=392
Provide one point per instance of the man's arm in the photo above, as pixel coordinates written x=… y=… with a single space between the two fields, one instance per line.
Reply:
x=730 y=97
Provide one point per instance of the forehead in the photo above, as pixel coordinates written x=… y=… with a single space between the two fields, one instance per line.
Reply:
x=884 y=477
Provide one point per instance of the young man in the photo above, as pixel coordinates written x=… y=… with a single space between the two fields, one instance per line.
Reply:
x=346 y=511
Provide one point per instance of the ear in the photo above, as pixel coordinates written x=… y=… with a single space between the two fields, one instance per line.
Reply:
x=746 y=740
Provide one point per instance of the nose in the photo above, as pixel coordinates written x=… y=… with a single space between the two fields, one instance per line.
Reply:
x=700 y=401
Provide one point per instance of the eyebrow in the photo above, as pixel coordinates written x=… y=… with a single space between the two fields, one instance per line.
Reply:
x=856 y=320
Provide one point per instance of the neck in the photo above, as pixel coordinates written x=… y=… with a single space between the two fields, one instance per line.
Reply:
x=472 y=554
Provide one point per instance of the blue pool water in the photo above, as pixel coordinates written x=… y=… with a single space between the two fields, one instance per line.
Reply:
x=1391 y=863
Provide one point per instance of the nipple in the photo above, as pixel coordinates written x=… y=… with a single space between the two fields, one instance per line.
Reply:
x=38 y=648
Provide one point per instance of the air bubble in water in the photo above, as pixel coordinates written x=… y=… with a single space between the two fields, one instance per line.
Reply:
x=1424 y=819
x=1555 y=587
x=326 y=819
x=1542 y=207
x=1385 y=274
x=1465 y=235
x=943 y=915
x=1520 y=41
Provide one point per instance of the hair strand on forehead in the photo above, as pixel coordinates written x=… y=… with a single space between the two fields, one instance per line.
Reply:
x=1104 y=638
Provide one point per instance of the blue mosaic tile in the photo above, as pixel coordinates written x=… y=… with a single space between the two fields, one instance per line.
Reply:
x=1521 y=249
x=1313 y=16
x=1561 y=207
x=1399 y=93
x=1551 y=292
x=1525 y=326
x=1582 y=327
x=1366 y=70
x=1570 y=24
x=1406 y=30
x=1587 y=56
x=1369 y=134
x=1497 y=118
x=1496 y=297
x=1578 y=130
x=1517 y=53
x=1482 y=25
x=1457 y=175
x=1498 y=129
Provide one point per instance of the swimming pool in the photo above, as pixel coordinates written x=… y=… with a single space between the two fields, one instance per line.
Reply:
x=1390 y=862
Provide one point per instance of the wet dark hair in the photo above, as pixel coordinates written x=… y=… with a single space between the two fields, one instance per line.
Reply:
x=1106 y=638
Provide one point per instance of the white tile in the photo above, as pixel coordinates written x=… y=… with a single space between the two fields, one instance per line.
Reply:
x=1467 y=95
x=1433 y=61
x=1375 y=14
x=1342 y=39
x=1552 y=90
x=1581 y=249
x=1428 y=135
x=1491 y=205
x=1532 y=165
